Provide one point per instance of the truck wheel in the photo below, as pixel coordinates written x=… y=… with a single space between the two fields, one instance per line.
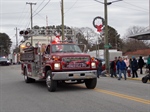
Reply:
x=27 y=79
x=91 y=83
x=144 y=79
x=51 y=84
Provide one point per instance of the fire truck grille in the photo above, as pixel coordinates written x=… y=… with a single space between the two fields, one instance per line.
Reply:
x=75 y=62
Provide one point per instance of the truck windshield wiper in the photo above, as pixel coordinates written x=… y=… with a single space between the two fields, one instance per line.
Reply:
x=61 y=51
x=70 y=51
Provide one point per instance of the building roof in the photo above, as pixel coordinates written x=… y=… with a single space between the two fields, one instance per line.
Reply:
x=143 y=52
x=141 y=36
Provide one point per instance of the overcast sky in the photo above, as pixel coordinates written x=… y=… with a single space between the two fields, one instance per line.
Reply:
x=78 y=13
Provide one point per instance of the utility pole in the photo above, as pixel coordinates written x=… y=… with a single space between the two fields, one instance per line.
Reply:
x=62 y=15
x=31 y=19
x=16 y=37
x=106 y=46
x=47 y=29
x=106 y=37
x=149 y=14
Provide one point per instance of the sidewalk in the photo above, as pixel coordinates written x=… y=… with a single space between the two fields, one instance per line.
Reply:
x=140 y=76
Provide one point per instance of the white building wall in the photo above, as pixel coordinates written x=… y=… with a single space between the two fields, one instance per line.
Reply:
x=100 y=54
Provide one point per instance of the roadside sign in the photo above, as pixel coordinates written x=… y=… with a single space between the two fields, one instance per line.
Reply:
x=106 y=46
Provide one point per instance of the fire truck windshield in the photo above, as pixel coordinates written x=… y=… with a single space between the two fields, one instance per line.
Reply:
x=65 y=48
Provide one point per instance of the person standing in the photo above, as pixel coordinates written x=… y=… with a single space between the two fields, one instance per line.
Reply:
x=127 y=62
x=141 y=64
x=121 y=66
x=117 y=72
x=99 y=69
x=113 y=68
x=104 y=71
x=130 y=60
x=148 y=62
x=134 y=67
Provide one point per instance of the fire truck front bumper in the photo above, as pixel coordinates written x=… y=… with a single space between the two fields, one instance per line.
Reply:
x=70 y=75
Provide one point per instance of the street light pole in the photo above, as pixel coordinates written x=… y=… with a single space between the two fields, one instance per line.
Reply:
x=62 y=15
x=16 y=36
x=106 y=52
x=31 y=19
x=149 y=14
x=106 y=46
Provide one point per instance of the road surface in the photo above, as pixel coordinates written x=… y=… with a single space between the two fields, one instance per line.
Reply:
x=110 y=95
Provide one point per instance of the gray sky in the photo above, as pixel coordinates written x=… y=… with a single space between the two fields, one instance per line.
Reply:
x=78 y=13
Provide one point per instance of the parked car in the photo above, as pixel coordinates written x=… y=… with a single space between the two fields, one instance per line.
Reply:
x=4 y=61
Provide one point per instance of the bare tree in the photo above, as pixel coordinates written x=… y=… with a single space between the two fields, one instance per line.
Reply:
x=90 y=35
x=87 y=36
x=133 y=44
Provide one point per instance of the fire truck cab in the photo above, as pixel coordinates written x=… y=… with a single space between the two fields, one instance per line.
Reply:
x=58 y=63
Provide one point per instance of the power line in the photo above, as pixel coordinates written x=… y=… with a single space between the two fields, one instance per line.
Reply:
x=71 y=6
x=135 y=5
x=108 y=3
x=12 y=12
x=133 y=8
x=54 y=9
x=22 y=16
x=41 y=8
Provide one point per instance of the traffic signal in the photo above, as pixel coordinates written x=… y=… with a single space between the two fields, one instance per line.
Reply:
x=21 y=32
x=24 y=33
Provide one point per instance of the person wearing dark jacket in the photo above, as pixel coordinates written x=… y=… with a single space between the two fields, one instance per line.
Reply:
x=99 y=69
x=113 y=68
x=134 y=67
x=121 y=66
x=148 y=63
x=141 y=64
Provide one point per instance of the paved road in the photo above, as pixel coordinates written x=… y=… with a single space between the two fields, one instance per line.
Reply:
x=110 y=95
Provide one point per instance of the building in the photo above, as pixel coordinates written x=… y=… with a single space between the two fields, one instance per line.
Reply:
x=143 y=52
x=100 y=54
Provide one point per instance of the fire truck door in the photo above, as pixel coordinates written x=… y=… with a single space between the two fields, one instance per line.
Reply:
x=47 y=50
x=46 y=55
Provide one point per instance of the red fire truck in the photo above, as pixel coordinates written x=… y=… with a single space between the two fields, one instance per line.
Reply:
x=58 y=63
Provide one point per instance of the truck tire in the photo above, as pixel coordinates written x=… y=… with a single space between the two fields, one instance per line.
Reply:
x=91 y=83
x=26 y=78
x=50 y=83
x=144 y=79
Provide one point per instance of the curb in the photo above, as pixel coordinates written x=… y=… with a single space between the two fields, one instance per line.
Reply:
x=129 y=78
x=139 y=79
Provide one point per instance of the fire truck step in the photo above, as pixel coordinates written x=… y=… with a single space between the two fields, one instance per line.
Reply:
x=70 y=75
x=82 y=74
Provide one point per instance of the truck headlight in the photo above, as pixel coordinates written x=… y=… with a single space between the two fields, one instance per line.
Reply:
x=93 y=65
x=56 y=66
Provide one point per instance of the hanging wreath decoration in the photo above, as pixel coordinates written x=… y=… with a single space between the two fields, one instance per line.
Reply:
x=99 y=27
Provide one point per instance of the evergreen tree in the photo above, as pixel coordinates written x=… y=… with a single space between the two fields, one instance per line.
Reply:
x=5 y=44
